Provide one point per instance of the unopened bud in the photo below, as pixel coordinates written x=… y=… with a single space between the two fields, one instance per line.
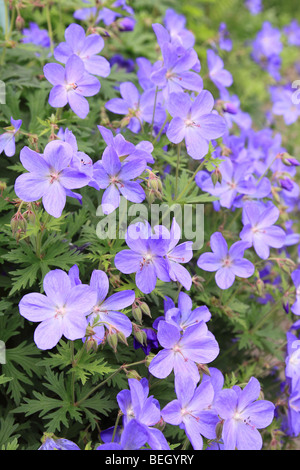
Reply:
x=91 y=343
x=3 y=186
x=133 y=374
x=122 y=338
x=30 y=216
x=150 y=195
x=20 y=23
x=145 y=309
x=286 y=184
x=112 y=340
x=140 y=336
x=219 y=430
x=204 y=369
x=149 y=359
x=137 y=314
x=260 y=287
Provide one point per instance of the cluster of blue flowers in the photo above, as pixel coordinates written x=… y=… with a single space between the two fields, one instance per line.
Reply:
x=171 y=100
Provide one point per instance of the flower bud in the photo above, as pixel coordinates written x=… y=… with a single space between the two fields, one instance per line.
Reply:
x=145 y=309
x=3 y=186
x=112 y=340
x=140 y=336
x=20 y=23
x=91 y=343
x=133 y=374
x=204 y=369
x=286 y=184
x=149 y=359
x=260 y=287
x=137 y=313
x=126 y=24
x=219 y=430
x=122 y=338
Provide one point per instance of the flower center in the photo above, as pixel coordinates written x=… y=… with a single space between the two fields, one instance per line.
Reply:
x=53 y=177
x=227 y=261
x=60 y=312
x=71 y=86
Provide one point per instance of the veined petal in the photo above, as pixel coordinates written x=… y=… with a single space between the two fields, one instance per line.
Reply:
x=36 y=307
x=54 y=199
x=31 y=187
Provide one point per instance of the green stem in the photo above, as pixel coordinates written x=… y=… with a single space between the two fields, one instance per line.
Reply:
x=7 y=31
x=50 y=30
x=268 y=314
x=190 y=180
x=160 y=131
x=154 y=109
x=235 y=217
x=116 y=425
x=266 y=171
x=177 y=168
x=124 y=366
x=185 y=444
x=73 y=373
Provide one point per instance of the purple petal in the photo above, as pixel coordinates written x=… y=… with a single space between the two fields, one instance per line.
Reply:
x=54 y=199
x=78 y=104
x=99 y=283
x=48 y=333
x=176 y=130
x=225 y=277
x=128 y=261
x=30 y=187
x=119 y=300
x=36 y=307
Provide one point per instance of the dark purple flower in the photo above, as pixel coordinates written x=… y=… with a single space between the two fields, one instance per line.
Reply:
x=195 y=122
x=122 y=63
x=126 y=24
x=71 y=85
x=151 y=341
x=86 y=48
x=227 y=263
